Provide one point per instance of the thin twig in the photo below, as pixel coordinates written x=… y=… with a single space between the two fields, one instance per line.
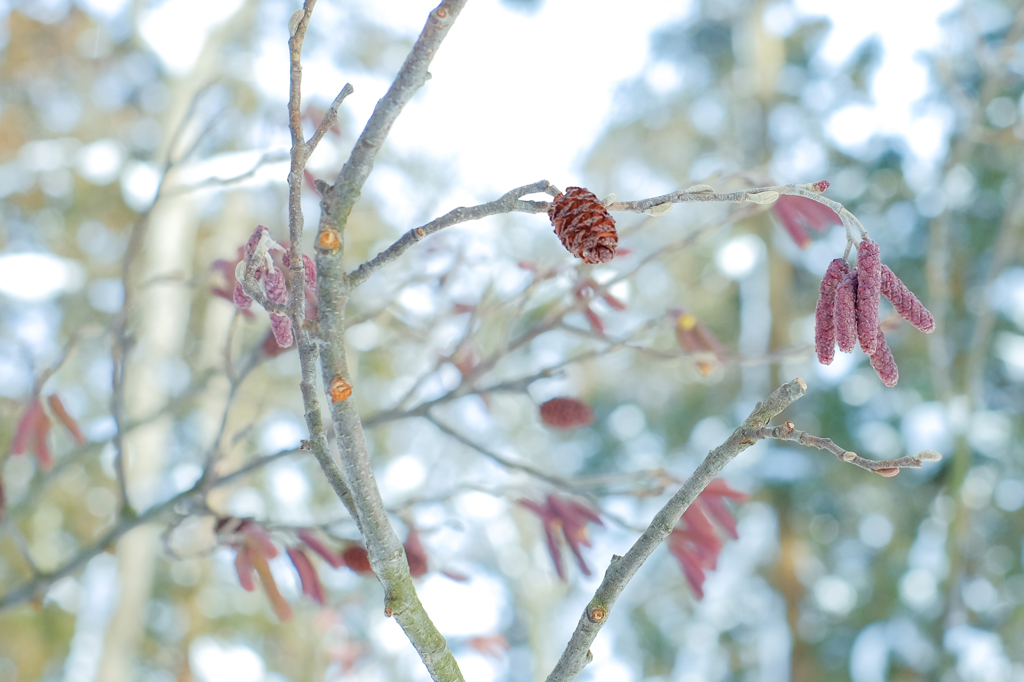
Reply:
x=507 y=203
x=887 y=468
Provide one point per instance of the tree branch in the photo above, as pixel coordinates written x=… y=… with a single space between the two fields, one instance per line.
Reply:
x=887 y=468
x=34 y=587
x=509 y=202
x=622 y=569
x=353 y=481
x=339 y=200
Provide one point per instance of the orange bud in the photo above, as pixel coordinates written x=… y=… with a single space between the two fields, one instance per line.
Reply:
x=329 y=240
x=340 y=389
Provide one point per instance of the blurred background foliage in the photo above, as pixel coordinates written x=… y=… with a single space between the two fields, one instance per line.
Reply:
x=837 y=574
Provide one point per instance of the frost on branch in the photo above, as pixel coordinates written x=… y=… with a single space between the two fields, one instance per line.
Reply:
x=571 y=518
x=584 y=225
x=694 y=542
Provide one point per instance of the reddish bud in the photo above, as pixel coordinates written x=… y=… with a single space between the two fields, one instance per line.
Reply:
x=820 y=185
x=245 y=568
x=277 y=602
x=357 y=559
x=57 y=407
x=314 y=543
x=566 y=413
x=311 y=584
x=615 y=303
x=595 y=322
x=846 y=313
x=494 y=646
x=583 y=225
x=416 y=554
x=883 y=363
x=694 y=542
x=869 y=294
x=824 y=313
x=254 y=239
x=888 y=473
x=906 y=304
x=564 y=520
x=25 y=431
x=797 y=213
x=258 y=538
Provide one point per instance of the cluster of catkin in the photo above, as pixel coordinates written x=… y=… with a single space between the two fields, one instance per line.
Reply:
x=847 y=311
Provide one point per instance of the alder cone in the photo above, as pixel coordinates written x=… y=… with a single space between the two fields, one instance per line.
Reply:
x=566 y=413
x=584 y=225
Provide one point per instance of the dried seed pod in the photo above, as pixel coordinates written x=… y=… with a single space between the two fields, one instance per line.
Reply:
x=824 y=313
x=905 y=303
x=584 y=225
x=846 y=313
x=883 y=362
x=869 y=294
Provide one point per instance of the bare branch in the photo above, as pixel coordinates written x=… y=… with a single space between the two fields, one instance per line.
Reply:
x=330 y=118
x=887 y=468
x=338 y=203
x=501 y=459
x=509 y=202
x=622 y=569
x=37 y=586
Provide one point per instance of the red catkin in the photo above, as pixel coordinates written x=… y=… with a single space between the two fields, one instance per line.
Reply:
x=846 y=313
x=282 y=328
x=824 y=313
x=883 y=363
x=274 y=285
x=906 y=304
x=869 y=294
x=584 y=225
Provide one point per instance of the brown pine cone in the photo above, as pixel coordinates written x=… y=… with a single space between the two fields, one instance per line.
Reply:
x=584 y=225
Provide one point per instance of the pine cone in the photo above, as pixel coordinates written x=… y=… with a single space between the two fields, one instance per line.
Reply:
x=869 y=294
x=584 y=225
x=905 y=303
x=824 y=313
